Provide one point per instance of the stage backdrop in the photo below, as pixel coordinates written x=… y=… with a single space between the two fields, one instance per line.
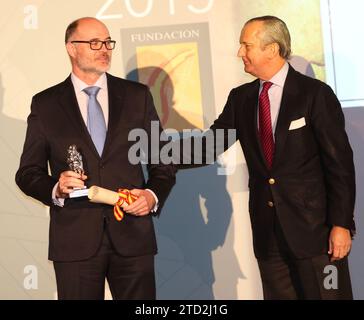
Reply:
x=185 y=51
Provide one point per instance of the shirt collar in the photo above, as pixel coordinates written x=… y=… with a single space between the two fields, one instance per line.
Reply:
x=280 y=77
x=80 y=85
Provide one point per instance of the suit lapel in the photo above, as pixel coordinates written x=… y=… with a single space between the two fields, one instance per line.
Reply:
x=115 y=93
x=252 y=121
x=70 y=106
x=286 y=113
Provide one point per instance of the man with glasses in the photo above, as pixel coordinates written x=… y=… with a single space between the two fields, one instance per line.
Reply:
x=94 y=111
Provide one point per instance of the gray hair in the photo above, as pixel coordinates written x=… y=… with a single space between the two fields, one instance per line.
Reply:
x=275 y=31
x=72 y=27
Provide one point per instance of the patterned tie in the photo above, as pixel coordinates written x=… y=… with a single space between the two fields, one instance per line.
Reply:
x=95 y=119
x=265 y=124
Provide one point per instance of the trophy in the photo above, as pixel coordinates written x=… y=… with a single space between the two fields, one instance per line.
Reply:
x=75 y=163
x=97 y=194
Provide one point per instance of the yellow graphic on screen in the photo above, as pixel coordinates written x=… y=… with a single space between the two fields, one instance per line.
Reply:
x=172 y=73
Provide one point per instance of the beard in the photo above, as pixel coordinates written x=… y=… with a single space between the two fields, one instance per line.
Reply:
x=98 y=65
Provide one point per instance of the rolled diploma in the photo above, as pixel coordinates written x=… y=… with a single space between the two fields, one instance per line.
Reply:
x=100 y=195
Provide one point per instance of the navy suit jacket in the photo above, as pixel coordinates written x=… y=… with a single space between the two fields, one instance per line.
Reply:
x=55 y=122
x=312 y=181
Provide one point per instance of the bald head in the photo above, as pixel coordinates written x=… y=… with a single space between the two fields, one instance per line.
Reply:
x=81 y=25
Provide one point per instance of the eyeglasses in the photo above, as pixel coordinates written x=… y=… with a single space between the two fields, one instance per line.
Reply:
x=97 y=44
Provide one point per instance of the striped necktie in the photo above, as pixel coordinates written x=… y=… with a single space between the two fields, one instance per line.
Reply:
x=265 y=124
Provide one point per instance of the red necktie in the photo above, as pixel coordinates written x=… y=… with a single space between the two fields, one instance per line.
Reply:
x=265 y=124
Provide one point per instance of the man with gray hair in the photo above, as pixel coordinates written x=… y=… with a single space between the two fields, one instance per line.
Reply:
x=301 y=171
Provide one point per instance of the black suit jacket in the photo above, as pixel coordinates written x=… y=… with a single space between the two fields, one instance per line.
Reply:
x=55 y=122
x=313 y=171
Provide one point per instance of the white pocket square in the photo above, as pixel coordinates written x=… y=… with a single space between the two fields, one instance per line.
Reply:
x=296 y=124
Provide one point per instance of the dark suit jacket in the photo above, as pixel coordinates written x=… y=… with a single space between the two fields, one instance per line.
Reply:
x=313 y=171
x=55 y=122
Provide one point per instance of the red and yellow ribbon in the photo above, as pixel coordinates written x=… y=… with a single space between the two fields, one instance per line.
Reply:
x=125 y=196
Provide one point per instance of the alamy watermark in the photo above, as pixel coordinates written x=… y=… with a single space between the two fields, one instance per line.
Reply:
x=31 y=17
x=30 y=281
x=189 y=147
x=331 y=280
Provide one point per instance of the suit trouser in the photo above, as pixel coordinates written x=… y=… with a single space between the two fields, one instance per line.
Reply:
x=286 y=277
x=128 y=277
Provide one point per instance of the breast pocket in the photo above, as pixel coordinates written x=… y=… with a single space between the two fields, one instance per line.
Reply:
x=296 y=142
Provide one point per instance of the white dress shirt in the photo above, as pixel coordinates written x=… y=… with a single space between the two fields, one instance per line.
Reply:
x=275 y=94
x=82 y=99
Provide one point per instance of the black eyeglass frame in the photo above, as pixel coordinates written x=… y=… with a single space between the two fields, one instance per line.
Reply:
x=109 y=44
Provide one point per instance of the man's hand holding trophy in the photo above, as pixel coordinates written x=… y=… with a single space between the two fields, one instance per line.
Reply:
x=72 y=185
